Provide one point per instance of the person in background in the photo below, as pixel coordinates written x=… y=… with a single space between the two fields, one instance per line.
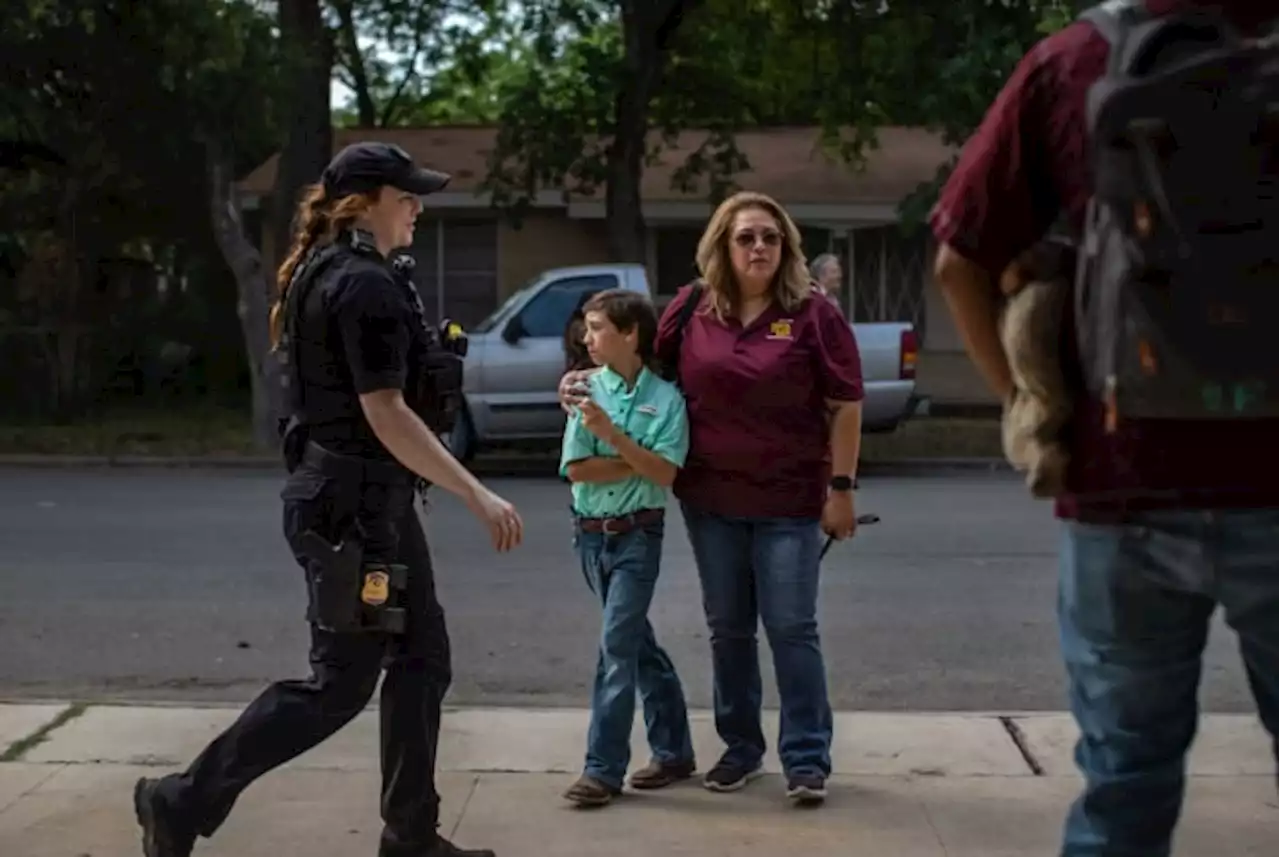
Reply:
x=773 y=385
x=622 y=448
x=1163 y=520
x=827 y=273
x=575 y=346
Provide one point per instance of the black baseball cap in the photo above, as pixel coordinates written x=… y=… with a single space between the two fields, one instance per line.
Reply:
x=363 y=167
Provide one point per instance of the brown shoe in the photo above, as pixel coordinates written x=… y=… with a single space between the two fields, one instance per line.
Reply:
x=588 y=791
x=657 y=775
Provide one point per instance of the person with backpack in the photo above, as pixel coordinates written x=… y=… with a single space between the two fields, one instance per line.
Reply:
x=773 y=384
x=1150 y=130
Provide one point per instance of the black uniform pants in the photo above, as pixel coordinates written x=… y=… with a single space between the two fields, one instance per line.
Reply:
x=291 y=717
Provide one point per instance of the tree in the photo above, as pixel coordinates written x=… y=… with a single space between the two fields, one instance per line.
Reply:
x=940 y=66
x=115 y=96
x=399 y=58
x=594 y=77
x=579 y=113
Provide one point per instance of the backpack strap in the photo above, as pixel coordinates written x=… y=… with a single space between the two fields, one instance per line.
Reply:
x=1113 y=19
x=682 y=322
x=687 y=311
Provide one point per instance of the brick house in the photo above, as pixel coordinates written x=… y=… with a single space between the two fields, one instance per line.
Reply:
x=471 y=256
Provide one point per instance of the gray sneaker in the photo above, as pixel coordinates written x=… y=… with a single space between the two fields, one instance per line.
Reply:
x=730 y=776
x=807 y=789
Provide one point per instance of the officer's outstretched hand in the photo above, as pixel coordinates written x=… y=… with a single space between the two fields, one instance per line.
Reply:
x=505 y=527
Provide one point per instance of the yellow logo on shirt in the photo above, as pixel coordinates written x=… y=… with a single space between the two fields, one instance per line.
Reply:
x=780 y=329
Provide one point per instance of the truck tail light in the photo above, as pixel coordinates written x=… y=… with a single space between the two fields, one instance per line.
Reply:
x=908 y=351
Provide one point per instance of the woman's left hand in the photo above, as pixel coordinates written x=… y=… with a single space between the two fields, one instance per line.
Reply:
x=838 y=517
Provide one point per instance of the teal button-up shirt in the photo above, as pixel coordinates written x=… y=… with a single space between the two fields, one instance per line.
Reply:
x=653 y=415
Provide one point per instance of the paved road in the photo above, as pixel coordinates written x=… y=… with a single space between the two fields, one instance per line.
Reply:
x=144 y=584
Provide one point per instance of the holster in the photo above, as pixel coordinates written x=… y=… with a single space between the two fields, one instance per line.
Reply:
x=293 y=442
x=439 y=397
x=350 y=595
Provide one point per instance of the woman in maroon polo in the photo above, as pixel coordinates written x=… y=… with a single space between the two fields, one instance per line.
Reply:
x=773 y=384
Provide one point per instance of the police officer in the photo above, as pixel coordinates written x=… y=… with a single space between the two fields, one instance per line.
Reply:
x=365 y=388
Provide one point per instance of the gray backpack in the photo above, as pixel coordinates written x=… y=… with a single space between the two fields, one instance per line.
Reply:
x=1176 y=282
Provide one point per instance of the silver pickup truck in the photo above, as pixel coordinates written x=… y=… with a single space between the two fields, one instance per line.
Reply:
x=516 y=358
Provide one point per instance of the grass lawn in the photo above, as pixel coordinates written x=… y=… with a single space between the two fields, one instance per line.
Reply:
x=224 y=431
x=190 y=431
x=936 y=437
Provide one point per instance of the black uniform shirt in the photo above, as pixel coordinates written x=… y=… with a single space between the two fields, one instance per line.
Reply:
x=355 y=336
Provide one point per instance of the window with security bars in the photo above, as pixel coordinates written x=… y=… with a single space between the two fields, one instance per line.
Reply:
x=888 y=269
x=457 y=272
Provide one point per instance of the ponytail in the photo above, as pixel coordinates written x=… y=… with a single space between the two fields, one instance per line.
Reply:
x=312 y=220
x=319 y=219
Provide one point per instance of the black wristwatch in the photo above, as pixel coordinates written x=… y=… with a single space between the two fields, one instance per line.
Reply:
x=841 y=483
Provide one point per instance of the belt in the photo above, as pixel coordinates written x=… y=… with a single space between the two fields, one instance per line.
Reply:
x=354 y=467
x=621 y=524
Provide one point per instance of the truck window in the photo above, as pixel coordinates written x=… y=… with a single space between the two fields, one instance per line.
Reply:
x=548 y=313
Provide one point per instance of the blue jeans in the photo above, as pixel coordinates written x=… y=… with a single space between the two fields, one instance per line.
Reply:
x=764 y=570
x=1135 y=602
x=622 y=571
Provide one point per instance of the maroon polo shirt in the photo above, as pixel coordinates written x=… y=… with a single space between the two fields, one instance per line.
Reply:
x=759 y=442
x=1026 y=164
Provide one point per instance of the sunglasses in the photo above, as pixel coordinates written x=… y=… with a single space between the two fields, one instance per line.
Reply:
x=748 y=238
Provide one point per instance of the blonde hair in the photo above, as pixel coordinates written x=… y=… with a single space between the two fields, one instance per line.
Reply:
x=319 y=221
x=791 y=284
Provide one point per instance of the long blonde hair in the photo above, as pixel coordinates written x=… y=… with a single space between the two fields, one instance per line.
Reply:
x=319 y=220
x=791 y=284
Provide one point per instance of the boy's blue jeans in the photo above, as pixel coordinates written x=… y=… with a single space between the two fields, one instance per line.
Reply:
x=1135 y=602
x=622 y=570
x=757 y=570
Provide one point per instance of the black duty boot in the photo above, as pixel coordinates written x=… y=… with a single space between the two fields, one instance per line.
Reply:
x=441 y=847
x=163 y=835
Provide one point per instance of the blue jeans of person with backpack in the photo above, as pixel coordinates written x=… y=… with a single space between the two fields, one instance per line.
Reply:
x=1135 y=603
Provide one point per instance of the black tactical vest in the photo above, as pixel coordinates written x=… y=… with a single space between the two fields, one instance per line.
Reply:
x=435 y=376
x=435 y=362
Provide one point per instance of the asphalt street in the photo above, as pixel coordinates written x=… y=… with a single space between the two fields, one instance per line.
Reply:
x=177 y=585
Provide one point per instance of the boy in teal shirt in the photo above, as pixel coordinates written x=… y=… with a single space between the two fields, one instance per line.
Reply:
x=622 y=448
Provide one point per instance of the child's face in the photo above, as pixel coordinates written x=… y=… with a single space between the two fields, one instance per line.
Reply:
x=605 y=343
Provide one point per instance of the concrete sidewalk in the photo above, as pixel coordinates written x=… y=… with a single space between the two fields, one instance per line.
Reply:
x=907 y=785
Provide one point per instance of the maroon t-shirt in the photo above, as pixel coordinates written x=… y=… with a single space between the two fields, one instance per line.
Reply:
x=759 y=439
x=1027 y=163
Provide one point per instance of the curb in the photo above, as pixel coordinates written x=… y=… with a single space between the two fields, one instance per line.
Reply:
x=933 y=466
x=497 y=466
x=166 y=461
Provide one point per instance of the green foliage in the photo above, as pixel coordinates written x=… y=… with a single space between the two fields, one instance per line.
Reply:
x=109 y=105
x=117 y=97
x=416 y=62
x=555 y=101
x=849 y=67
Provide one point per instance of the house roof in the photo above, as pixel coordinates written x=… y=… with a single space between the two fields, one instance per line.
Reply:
x=786 y=163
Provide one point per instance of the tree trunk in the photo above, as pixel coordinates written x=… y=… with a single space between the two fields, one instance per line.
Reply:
x=647 y=26
x=255 y=291
x=354 y=61
x=309 y=131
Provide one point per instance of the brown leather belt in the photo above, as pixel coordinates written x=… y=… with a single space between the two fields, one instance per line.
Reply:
x=623 y=524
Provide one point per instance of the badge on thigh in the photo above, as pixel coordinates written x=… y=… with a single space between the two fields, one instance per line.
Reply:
x=376 y=589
